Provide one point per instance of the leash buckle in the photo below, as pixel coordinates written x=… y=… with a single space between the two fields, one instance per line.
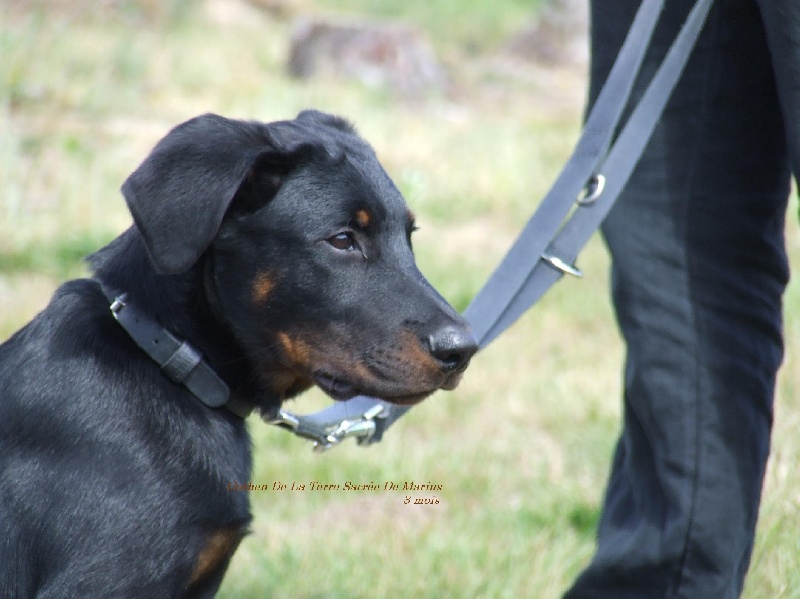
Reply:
x=328 y=435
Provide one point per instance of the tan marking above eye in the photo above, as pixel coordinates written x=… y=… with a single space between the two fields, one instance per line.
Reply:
x=262 y=287
x=363 y=218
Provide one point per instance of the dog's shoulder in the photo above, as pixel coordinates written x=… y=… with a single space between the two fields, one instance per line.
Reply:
x=53 y=369
x=76 y=323
x=75 y=390
x=74 y=371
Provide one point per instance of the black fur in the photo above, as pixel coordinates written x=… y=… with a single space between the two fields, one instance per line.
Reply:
x=282 y=252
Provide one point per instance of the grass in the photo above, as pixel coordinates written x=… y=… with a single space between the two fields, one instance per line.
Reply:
x=472 y=26
x=521 y=449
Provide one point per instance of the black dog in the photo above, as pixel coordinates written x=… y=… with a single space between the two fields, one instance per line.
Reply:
x=281 y=254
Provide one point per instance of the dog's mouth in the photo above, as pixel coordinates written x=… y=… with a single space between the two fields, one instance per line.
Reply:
x=340 y=390
x=337 y=388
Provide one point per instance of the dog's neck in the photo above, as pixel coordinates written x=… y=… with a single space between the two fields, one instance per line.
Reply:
x=185 y=305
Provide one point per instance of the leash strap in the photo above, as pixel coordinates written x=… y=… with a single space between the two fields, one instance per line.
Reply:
x=597 y=171
x=515 y=285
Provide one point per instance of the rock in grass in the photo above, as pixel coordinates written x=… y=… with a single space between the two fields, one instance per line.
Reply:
x=558 y=35
x=379 y=54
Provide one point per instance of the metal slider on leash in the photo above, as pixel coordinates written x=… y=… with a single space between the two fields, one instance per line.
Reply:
x=591 y=193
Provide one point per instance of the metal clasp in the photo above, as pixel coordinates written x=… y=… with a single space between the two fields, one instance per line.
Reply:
x=118 y=304
x=561 y=265
x=327 y=436
x=591 y=192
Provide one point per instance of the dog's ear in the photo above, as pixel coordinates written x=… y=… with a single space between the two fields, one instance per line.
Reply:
x=263 y=180
x=180 y=193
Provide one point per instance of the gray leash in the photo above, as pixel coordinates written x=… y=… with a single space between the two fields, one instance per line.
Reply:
x=548 y=245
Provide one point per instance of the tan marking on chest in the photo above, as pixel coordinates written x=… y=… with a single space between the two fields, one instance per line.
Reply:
x=218 y=548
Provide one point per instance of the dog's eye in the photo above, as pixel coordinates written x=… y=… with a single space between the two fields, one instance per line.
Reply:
x=344 y=241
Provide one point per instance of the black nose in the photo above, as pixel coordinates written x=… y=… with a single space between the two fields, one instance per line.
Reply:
x=453 y=347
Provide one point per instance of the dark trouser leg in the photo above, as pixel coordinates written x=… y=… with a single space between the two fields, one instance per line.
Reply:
x=698 y=273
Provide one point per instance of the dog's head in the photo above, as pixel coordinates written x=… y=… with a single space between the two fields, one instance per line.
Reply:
x=307 y=247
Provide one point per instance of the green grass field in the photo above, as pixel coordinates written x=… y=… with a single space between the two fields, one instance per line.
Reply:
x=521 y=449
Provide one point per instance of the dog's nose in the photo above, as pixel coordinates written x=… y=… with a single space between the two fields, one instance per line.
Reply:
x=453 y=347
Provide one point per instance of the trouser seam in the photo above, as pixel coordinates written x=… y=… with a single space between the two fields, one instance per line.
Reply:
x=683 y=565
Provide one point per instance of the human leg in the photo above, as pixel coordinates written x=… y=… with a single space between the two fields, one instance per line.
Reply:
x=698 y=273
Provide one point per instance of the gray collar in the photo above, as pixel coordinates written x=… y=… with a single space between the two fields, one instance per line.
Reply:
x=178 y=360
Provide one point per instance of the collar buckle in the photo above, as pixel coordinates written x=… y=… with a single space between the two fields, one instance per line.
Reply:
x=118 y=304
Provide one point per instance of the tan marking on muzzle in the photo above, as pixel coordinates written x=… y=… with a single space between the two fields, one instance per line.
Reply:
x=415 y=354
x=297 y=351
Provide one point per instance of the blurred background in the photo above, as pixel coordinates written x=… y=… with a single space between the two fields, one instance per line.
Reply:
x=472 y=107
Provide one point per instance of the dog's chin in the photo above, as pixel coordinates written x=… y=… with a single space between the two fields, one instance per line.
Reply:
x=407 y=400
x=453 y=380
x=342 y=390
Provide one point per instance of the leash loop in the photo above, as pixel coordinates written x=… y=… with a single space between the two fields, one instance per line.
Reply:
x=593 y=190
